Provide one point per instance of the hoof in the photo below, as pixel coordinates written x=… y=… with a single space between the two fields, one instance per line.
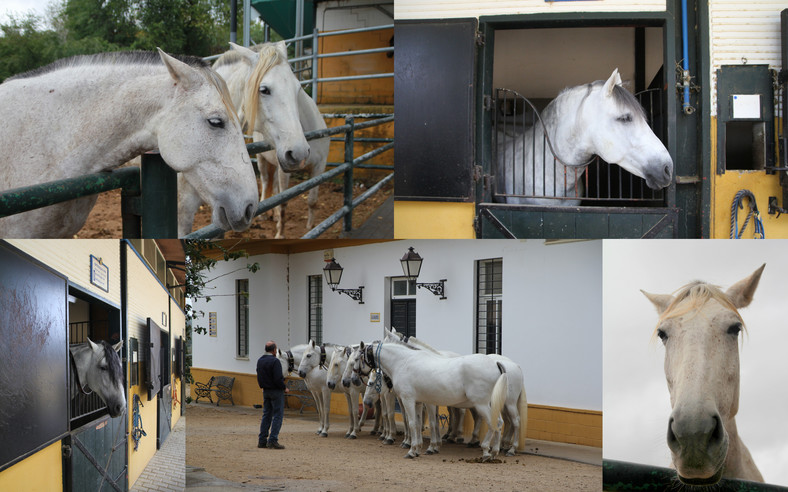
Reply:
x=323 y=434
x=510 y=454
x=409 y=456
x=351 y=436
x=388 y=441
x=400 y=433
x=404 y=446
x=486 y=458
x=429 y=451
x=473 y=444
x=460 y=440
x=347 y=435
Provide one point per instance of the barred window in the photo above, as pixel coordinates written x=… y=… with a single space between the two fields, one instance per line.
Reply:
x=315 y=303
x=242 y=317
x=489 y=303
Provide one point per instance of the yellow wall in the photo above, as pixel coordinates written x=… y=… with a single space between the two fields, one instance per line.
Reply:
x=71 y=257
x=337 y=150
x=724 y=188
x=369 y=91
x=433 y=220
x=246 y=392
x=147 y=446
x=41 y=471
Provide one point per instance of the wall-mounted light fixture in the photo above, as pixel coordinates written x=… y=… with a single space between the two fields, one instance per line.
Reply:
x=333 y=273
x=411 y=266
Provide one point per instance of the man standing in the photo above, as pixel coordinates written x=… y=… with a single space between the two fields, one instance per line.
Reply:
x=270 y=379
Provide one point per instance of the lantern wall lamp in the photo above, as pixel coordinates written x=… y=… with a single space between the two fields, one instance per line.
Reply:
x=333 y=273
x=411 y=266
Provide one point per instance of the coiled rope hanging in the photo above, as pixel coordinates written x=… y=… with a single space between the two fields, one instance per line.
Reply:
x=137 y=431
x=736 y=233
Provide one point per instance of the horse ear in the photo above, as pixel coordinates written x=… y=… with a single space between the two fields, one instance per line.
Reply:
x=179 y=71
x=741 y=293
x=281 y=48
x=245 y=52
x=660 y=301
x=117 y=346
x=612 y=82
x=93 y=346
x=361 y=346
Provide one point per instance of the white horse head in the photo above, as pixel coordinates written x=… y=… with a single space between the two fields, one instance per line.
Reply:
x=336 y=368
x=314 y=356
x=270 y=103
x=618 y=132
x=99 y=369
x=200 y=136
x=700 y=327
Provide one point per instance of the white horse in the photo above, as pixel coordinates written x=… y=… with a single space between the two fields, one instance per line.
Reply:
x=514 y=412
x=265 y=91
x=291 y=360
x=383 y=394
x=275 y=181
x=470 y=381
x=601 y=118
x=314 y=371
x=336 y=368
x=99 y=370
x=700 y=327
x=88 y=114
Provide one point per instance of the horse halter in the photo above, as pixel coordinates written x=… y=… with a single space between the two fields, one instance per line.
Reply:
x=369 y=357
x=290 y=361
x=323 y=356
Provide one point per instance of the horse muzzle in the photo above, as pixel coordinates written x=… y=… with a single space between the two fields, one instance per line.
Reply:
x=346 y=382
x=699 y=445
x=659 y=175
x=331 y=385
x=301 y=373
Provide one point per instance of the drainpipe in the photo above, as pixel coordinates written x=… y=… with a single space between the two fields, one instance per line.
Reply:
x=685 y=76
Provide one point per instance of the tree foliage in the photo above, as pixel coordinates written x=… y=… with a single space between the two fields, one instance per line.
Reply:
x=75 y=27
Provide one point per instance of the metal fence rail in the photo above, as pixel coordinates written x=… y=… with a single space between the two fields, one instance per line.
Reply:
x=622 y=475
x=345 y=169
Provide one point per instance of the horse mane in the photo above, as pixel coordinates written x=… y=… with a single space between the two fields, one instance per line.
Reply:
x=270 y=56
x=423 y=344
x=694 y=295
x=110 y=58
x=143 y=58
x=113 y=361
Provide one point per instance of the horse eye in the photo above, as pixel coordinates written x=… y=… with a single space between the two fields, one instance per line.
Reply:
x=662 y=336
x=216 y=122
x=734 y=329
x=264 y=90
x=627 y=118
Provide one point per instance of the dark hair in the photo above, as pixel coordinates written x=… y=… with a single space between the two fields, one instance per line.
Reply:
x=270 y=347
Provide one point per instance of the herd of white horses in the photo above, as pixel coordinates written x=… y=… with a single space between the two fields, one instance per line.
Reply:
x=421 y=378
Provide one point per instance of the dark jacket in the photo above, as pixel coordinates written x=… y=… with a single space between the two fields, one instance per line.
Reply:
x=269 y=373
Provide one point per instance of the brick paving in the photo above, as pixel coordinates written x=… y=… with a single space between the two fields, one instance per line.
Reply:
x=167 y=470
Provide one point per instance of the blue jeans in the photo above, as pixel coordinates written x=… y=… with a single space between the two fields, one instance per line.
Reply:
x=273 y=410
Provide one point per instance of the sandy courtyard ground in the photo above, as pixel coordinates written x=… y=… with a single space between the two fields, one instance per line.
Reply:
x=223 y=441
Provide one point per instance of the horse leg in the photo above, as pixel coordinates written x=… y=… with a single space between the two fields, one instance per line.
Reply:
x=435 y=435
x=283 y=182
x=459 y=427
x=412 y=409
x=484 y=414
x=391 y=421
x=326 y=410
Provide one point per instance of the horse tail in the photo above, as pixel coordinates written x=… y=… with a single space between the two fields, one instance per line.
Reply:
x=499 y=394
x=522 y=409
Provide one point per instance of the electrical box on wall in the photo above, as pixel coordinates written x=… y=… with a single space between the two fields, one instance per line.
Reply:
x=745 y=118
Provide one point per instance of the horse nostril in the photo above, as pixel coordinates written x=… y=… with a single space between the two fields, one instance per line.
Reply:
x=290 y=157
x=667 y=171
x=249 y=213
x=671 y=436
x=717 y=432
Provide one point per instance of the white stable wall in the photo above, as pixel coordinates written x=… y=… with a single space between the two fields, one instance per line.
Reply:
x=552 y=308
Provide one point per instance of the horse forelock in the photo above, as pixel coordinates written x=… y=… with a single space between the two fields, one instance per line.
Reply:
x=692 y=297
x=220 y=85
x=269 y=58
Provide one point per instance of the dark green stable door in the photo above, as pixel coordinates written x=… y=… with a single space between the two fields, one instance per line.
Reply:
x=98 y=456
x=403 y=316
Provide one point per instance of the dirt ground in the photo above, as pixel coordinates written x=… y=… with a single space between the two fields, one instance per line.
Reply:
x=223 y=441
x=104 y=221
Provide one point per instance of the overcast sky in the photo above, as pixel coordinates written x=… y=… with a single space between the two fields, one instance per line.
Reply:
x=636 y=399
x=19 y=7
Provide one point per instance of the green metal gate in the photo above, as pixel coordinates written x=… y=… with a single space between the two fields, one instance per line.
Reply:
x=94 y=456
